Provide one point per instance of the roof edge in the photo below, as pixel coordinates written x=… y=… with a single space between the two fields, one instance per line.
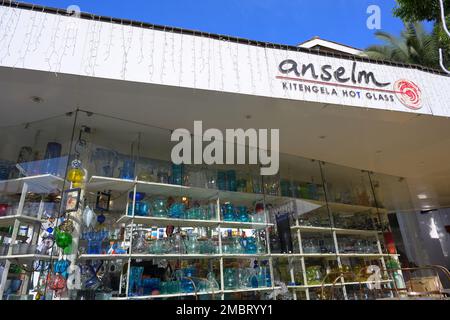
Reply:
x=134 y=23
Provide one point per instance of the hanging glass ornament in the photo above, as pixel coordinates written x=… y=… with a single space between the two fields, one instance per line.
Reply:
x=88 y=217
x=57 y=283
x=63 y=239
x=76 y=174
x=101 y=218
x=61 y=266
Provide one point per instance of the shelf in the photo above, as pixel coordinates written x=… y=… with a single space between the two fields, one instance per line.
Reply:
x=244 y=225
x=311 y=229
x=97 y=183
x=147 y=256
x=46 y=183
x=335 y=207
x=9 y=220
x=365 y=255
x=243 y=198
x=167 y=190
x=250 y=289
x=143 y=256
x=331 y=255
x=327 y=285
x=164 y=222
x=28 y=257
x=244 y=255
x=176 y=295
x=7 y=235
x=165 y=296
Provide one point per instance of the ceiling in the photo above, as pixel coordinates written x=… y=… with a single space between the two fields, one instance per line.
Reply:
x=402 y=144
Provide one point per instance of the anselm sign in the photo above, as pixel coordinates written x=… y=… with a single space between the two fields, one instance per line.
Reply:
x=310 y=78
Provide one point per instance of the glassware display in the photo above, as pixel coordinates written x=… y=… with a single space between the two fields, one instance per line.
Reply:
x=221 y=180
x=230 y=278
x=135 y=281
x=231 y=180
x=5 y=169
x=139 y=242
x=228 y=234
x=95 y=241
x=176 y=245
x=158 y=246
x=177 y=210
x=159 y=206
x=52 y=153
x=242 y=214
x=127 y=170
x=259 y=215
x=228 y=212
x=177 y=174
x=105 y=161
x=249 y=245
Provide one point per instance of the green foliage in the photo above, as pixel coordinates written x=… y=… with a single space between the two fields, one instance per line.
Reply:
x=420 y=10
x=414 y=46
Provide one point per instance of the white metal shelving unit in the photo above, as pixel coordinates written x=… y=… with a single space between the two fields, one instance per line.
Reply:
x=39 y=184
x=97 y=183
x=159 y=189
x=300 y=230
x=45 y=184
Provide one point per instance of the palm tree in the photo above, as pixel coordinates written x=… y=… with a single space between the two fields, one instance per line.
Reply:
x=414 y=46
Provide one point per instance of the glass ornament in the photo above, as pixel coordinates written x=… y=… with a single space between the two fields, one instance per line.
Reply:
x=76 y=174
x=63 y=239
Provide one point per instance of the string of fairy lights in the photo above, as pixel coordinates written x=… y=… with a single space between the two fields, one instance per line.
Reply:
x=27 y=39
x=180 y=60
x=126 y=47
x=209 y=62
x=52 y=51
x=109 y=42
x=12 y=24
x=151 y=64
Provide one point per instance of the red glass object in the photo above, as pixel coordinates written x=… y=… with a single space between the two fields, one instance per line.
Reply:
x=389 y=242
x=3 y=209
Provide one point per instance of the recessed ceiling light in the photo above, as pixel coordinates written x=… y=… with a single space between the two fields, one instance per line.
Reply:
x=36 y=99
x=422 y=196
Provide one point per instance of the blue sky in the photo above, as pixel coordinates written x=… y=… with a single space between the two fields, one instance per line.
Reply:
x=279 y=21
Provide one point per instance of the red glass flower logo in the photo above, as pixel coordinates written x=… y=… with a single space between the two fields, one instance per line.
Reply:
x=409 y=94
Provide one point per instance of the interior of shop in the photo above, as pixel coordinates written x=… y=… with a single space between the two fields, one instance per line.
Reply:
x=140 y=227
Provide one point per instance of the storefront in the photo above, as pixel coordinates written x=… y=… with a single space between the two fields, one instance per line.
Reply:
x=91 y=206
